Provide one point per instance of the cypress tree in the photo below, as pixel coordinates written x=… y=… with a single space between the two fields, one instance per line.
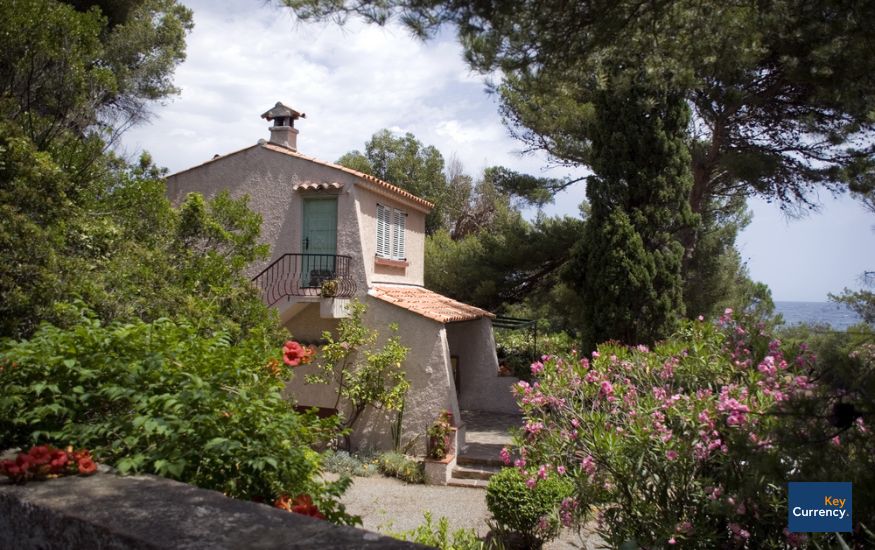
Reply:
x=627 y=266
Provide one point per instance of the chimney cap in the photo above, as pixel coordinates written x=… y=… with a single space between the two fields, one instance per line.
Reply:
x=279 y=111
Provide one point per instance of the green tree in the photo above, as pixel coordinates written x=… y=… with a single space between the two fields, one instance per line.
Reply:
x=404 y=161
x=627 y=265
x=365 y=375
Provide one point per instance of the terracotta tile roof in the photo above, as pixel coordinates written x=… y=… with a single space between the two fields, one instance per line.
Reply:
x=313 y=186
x=395 y=190
x=428 y=304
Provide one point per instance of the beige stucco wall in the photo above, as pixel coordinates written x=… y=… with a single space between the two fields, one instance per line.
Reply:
x=268 y=178
x=427 y=367
x=414 y=240
x=481 y=387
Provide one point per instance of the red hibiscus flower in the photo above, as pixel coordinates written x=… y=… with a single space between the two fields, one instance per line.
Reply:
x=87 y=466
x=303 y=504
x=294 y=354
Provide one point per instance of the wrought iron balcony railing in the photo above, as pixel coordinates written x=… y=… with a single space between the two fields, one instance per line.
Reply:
x=305 y=275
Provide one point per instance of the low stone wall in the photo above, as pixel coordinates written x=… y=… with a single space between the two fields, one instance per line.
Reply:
x=148 y=512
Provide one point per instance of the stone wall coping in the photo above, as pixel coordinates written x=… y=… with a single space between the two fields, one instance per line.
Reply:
x=149 y=512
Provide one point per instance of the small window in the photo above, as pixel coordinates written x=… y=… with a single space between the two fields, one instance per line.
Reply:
x=391 y=226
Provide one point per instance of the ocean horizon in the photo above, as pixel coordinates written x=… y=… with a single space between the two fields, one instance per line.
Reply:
x=837 y=316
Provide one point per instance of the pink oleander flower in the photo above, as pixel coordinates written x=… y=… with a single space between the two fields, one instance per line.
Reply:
x=671 y=455
x=505 y=456
x=588 y=465
x=537 y=368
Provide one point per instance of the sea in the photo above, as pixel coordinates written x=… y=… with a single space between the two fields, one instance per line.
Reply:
x=837 y=316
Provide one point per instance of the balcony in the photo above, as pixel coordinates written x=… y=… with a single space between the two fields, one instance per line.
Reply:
x=293 y=275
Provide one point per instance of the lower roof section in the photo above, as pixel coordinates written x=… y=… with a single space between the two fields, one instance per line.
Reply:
x=428 y=304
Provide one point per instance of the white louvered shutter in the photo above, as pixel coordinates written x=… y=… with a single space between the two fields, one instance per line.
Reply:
x=383 y=231
x=398 y=251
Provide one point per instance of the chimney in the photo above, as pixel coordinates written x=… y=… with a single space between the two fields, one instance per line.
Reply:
x=283 y=131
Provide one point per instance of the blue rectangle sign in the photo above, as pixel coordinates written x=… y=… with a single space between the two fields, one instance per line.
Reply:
x=819 y=507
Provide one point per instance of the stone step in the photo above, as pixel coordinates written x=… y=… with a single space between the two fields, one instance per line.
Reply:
x=467 y=458
x=484 y=473
x=471 y=483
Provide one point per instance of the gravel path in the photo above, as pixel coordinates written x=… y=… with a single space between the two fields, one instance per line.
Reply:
x=387 y=504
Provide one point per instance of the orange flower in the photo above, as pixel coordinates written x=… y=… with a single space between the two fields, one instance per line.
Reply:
x=273 y=368
x=283 y=503
x=87 y=466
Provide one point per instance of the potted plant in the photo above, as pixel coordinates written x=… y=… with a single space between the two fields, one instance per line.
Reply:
x=440 y=436
x=329 y=288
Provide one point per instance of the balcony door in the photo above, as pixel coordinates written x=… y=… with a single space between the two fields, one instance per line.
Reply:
x=319 y=241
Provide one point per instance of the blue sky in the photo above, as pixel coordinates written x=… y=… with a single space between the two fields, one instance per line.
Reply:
x=244 y=56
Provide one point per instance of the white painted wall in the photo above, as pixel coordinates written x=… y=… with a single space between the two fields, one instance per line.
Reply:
x=481 y=387
x=427 y=368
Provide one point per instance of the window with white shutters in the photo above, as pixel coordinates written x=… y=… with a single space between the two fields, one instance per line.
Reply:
x=391 y=226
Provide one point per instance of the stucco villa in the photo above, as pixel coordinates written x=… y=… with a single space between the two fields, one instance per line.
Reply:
x=325 y=222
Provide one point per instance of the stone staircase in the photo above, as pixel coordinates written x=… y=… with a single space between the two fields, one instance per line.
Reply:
x=479 y=459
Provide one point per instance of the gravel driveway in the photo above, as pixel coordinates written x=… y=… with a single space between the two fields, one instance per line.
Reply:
x=387 y=504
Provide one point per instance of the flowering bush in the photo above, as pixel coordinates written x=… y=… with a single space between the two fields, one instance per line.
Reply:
x=163 y=398
x=527 y=509
x=45 y=461
x=678 y=446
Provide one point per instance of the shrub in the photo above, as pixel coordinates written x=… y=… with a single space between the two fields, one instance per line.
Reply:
x=439 y=536
x=526 y=509
x=692 y=444
x=344 y=463
x=398 y=465
x=160 y=398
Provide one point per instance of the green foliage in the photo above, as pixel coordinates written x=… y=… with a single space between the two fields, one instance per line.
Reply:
x=439 y=536
x=365 y=375
x=511 y=260
x=715 y=276
x=529 y=512
x=163 y=398
x=344 y=463
x=518 y=349
x=398 y=465
x=627 y=266
x=861 y=301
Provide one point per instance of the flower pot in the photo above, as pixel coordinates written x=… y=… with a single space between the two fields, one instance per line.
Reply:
x=438 y=446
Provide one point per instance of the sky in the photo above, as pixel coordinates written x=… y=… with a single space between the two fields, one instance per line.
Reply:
x=351 y=81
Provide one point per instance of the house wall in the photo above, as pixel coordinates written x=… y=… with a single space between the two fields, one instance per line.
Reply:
x=414 y=272
x=268 y=178
x=427 y=368
x=481 y=387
